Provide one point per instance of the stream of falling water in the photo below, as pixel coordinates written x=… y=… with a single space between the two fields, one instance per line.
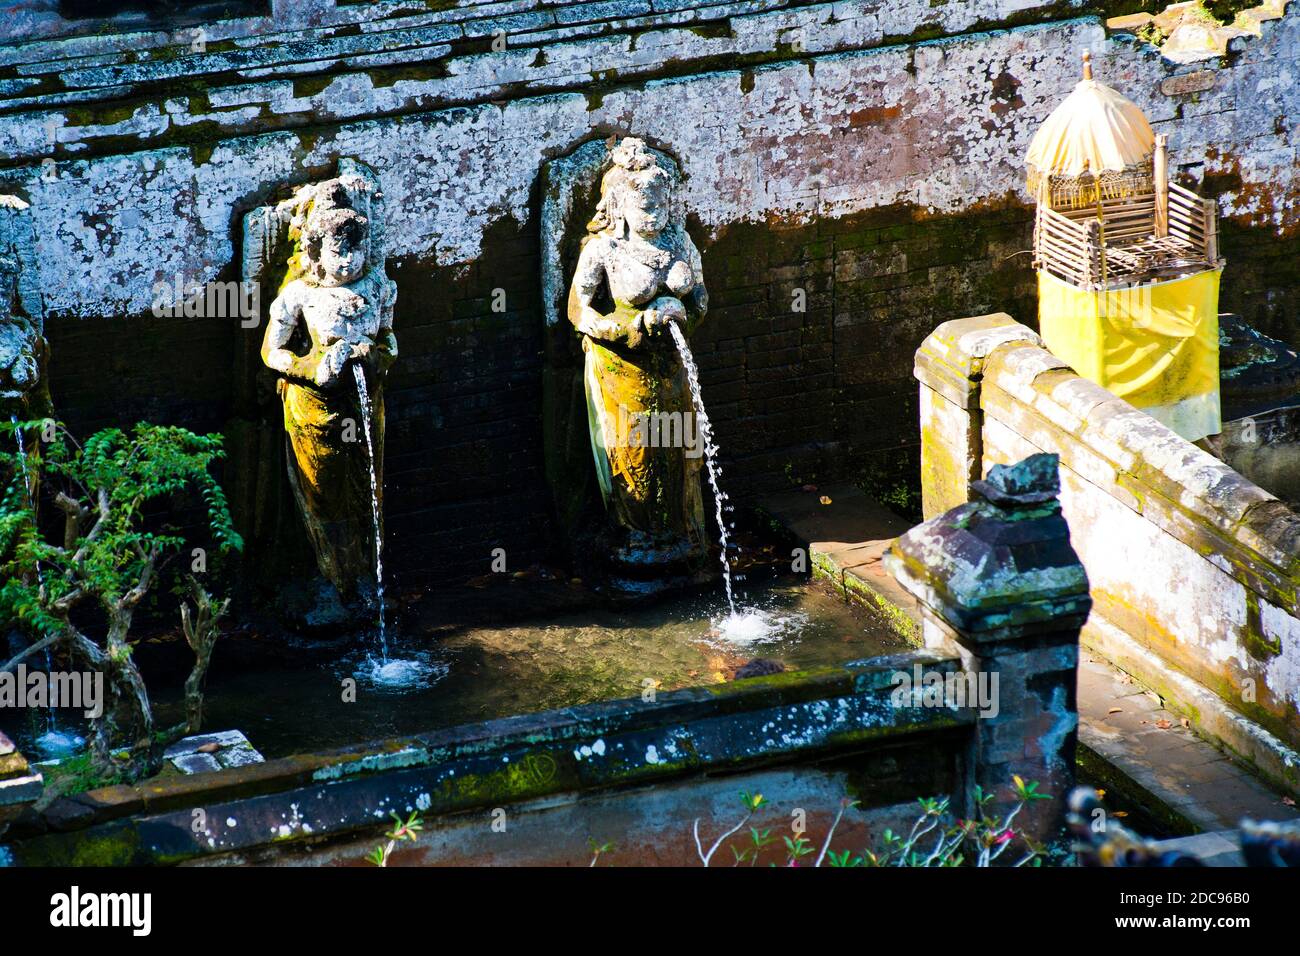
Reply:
x=704 y=430
x=54 y=742
x=402 y=674
x=363 y=396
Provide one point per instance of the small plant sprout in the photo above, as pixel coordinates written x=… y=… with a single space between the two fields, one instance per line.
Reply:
x=597 y=849
x=796 y=849
x=752 y=803
x=408 y=830
x=759 y=839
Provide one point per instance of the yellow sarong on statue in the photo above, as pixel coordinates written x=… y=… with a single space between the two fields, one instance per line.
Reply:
x=1154 y=344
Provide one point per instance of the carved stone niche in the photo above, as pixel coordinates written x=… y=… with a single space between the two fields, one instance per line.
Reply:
x=617 y=267
x=318 y=257
x=24 y=354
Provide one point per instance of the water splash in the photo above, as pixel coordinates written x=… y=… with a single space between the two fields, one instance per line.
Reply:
x=758 y=626
x=56 y=744
x=705 y=430
x=367 y=415
x=417 y=669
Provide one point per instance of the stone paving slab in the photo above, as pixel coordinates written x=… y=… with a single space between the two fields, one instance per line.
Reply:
x=846 y=539
x=1141 y=752
x=1128 y=727
x=208 y=753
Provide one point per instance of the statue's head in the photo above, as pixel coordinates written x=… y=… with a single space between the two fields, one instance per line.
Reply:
x=334 y=244
x=334 y=235
x=19 y=368
x=636 y=193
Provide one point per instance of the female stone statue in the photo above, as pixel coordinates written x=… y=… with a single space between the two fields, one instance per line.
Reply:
x=638 y=272
x=22 y=352
x=334 y=311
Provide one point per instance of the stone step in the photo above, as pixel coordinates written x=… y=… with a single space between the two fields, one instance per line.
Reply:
x=846 y=534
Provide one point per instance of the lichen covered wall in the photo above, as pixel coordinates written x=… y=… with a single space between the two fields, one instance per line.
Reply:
x=868 y=154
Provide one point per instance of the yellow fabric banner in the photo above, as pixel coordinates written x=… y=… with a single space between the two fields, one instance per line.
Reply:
x=1155 y=345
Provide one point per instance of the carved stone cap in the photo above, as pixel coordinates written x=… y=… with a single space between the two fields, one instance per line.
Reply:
x=1035 y=480
x=1000 y=566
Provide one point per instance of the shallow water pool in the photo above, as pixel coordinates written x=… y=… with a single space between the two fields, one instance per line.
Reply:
x=466 y=673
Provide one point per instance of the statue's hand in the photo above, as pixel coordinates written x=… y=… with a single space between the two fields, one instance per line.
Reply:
x=332 y=362
x=662 y=312
x=670 y=309
x=650 y=319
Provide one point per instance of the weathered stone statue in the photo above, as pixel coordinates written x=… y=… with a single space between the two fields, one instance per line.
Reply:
x=21 y=346
x=24 y=391
x=638 y=272
x=334 y=311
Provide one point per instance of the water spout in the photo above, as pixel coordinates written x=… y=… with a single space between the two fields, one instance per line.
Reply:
x=705 y=431
x=363 y=397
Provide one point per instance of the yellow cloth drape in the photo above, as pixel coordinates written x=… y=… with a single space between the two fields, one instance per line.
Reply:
x=1155 y=345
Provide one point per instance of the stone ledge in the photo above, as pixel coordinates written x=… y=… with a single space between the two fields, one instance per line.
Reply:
x=563 y=731
x=759 y=721
x=1184 y=34
x=369 y=75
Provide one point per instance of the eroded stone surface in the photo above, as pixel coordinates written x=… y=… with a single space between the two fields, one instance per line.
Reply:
x=207 y=753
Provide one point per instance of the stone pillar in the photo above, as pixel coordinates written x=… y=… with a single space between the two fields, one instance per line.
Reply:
x=949 y=366
x=20 y=785
x=999 y=582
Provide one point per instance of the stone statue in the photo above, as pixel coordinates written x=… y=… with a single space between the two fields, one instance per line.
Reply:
x=334 y=311
x=21 y=346
x=637 y=272
x=23 y=352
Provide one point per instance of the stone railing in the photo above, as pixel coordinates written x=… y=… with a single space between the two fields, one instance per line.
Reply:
x=1193 y=568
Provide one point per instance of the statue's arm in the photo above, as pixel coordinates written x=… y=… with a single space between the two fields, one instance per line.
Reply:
x=285 y=314
x=622 y=326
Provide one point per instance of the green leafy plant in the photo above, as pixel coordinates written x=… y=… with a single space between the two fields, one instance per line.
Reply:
x=759 y=840
x=109 y=556
x=984 y=838
x=410 y=830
